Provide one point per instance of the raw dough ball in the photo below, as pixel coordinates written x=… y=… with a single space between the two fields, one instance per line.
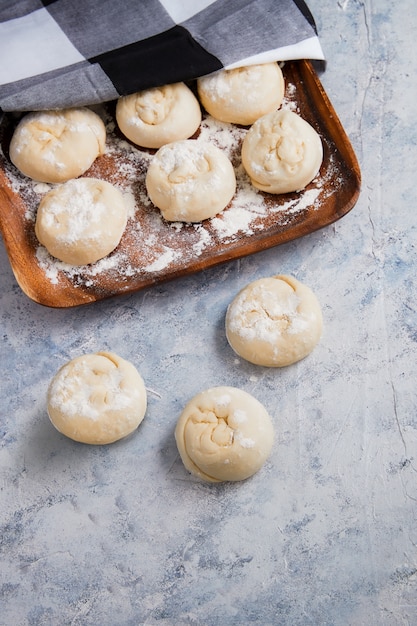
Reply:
x=281 y=152
x=274 y=321
x=81 y=221
x=190 y=181
x=154 y=117
x=224 y=434
x=54 y=146
x=242 y=95
x=97 y=398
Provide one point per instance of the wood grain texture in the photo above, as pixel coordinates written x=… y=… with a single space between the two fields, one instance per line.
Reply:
x=337 y=185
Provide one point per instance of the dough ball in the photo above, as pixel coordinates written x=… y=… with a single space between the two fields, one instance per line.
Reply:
x=81 y=221
x=154 y=117
x=242 y=95
x=190 y=181
x=54 y=146
x=281 y=152
x=224 y=434
x=274 y=321
x=97 y=398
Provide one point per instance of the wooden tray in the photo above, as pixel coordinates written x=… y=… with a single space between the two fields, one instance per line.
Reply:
x=153 y=250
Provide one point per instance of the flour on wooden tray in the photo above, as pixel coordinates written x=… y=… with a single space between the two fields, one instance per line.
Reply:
x=151 y=246
x=162 y=261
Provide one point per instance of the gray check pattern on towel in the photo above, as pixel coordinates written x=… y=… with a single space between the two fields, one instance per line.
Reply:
x=64 y=53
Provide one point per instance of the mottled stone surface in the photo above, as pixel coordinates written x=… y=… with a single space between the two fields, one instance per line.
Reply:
x=326 y=532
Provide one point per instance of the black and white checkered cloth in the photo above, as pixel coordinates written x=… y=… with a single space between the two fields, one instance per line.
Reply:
x=63 y=53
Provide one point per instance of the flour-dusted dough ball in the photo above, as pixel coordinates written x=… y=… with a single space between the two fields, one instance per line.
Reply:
x=244 y=94
x=54 y=146
x=81 y=221
x=154 y=117
x=281 y=152
x=274 y=321
x=190 y=181
x=224 y=434
x=97 y=398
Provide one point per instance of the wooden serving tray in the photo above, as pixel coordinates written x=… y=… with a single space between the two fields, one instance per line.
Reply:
x=153 y=250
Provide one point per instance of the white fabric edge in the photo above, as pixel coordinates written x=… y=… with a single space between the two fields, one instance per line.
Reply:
x=307 y=49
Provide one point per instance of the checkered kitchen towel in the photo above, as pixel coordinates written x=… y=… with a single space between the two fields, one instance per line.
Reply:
x=63 y=53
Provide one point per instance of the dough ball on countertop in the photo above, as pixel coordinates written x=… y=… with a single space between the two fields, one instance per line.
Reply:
x=274 y=321
x=281 y=152
x=224 y=434
x=54 y=146
x=154 y=117
x=190 y=181
x=244 y=94
x=81 y=221
x=97 y=398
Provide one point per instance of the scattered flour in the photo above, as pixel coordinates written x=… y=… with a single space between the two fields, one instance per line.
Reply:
x=162 y=261
x=152 y=247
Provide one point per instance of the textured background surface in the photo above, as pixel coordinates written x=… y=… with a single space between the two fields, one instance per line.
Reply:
x=326 y=532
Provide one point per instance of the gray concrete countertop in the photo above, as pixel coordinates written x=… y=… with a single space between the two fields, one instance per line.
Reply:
x=326 y=532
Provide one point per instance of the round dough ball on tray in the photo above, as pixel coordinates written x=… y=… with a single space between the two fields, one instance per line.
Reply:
x=190 y=180
x=81 y=221
x=274 y=321
x=97 y=398
x=55 y=146
x=243 y=94
x=224 y=434
x=154 y=117
x=281 y=152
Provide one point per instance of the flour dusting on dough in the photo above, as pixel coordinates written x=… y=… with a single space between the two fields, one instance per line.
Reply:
x=152 y=248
